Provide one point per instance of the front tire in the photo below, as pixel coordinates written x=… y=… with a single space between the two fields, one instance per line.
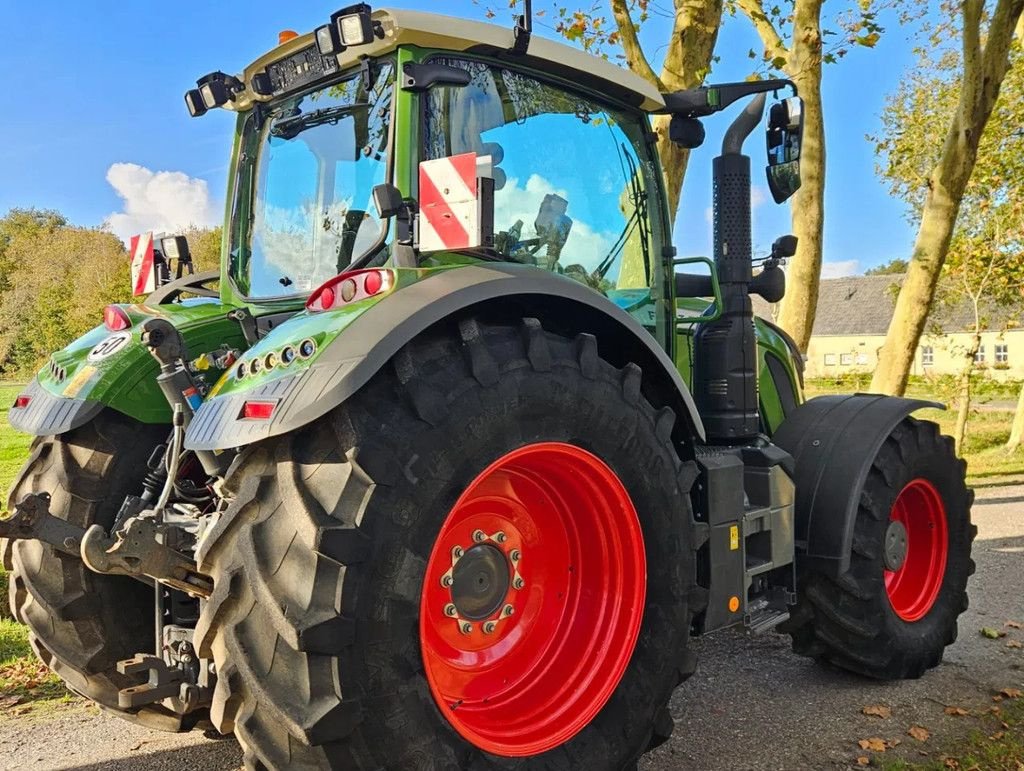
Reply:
x=330 y=552
x=892 y=614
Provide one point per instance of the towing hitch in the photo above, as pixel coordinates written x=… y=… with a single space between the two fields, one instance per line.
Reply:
x=136 y=550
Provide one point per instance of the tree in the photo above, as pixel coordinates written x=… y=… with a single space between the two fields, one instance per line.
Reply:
x=801 y=58
x=976 y=78
x=892 y=267
x=984 y=273
x=688 y=56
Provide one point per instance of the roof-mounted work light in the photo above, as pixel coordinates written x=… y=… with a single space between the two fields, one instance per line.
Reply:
x=351 y=26
x=213 y=90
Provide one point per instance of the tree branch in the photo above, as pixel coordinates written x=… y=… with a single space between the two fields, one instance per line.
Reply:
x=635 y=57
x=773 y=45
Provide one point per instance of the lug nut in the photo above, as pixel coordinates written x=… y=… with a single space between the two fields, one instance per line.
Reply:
x=465 y=627
x=450 y=610
x=457 y=552
x=515 y=555
x=446 y=581
x=479 y=535
x=508 y=610
x=500 y=537
x=518 y=583
x=490 y=626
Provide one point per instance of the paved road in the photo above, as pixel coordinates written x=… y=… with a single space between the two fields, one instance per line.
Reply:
x=751 y=705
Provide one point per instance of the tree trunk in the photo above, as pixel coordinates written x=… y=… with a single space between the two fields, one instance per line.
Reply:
x=1017 y=430
x=687 y=63
x=808 y=212
x=984 y=70
x=964 y=395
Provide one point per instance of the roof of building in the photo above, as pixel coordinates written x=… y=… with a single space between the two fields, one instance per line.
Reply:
x=863 y=305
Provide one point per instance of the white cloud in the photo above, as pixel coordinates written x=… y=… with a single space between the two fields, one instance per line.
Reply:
x=840 y=269
x=159 y=201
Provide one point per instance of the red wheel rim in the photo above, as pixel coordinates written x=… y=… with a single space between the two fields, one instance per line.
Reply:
x=914 y=586
x=576 y=583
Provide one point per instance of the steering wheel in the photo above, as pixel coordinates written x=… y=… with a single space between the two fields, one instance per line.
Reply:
x=192 y=284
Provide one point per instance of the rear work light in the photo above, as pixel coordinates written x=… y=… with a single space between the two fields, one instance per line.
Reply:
x=258 y=410
x=22 y=401
x=115 y=319
x=349 y=288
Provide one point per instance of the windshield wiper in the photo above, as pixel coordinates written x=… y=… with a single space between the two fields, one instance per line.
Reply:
x=288 y=128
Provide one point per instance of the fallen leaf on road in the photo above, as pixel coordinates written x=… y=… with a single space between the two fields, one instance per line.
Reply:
x=918 y=732
x=878 y=710
x=992 y=634
x=951 y=763
x=9 y=701
x=863 y=760
x=1011 y=693
x=874 y=744
x=997 y=736
x=958 y=711
x=1014 y=644
x=1015 y=625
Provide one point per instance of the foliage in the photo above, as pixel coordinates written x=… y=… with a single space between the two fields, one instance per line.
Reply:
x=893 y=267
x=56 y=278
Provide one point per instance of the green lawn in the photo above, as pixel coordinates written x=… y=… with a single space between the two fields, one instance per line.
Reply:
x=13 y=446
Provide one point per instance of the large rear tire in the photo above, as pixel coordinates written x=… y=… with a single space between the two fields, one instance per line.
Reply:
x=81 y=623
x=344 y=530
x=892 y=614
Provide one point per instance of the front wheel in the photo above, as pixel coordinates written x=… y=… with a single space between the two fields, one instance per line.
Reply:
x=892 y=614
x=482 y=560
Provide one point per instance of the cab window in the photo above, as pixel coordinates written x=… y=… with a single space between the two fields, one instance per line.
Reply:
x=572 y=175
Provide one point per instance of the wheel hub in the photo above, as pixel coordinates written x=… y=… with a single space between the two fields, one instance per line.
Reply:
x=895 y=545
x=480 y=581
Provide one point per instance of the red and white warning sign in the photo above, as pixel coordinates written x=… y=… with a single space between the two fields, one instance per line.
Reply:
x=449 y=204
x=143 y=265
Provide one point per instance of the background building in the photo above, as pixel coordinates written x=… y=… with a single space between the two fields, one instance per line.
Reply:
x=854 y=315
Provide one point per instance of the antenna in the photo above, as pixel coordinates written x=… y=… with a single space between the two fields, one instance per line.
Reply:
x=524 y=29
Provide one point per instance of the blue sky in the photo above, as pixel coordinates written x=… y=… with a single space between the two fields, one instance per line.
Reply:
x=97 y=84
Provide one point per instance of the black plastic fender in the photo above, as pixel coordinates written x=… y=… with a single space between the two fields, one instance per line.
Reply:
x=377 y=335
x=834 y=441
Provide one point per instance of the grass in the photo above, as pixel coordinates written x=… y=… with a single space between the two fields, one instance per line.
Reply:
x=13 y=445
x=997 y=746
x=25 y=683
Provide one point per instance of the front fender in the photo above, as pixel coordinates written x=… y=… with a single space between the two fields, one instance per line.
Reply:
x=345 y=362
x=834 y=441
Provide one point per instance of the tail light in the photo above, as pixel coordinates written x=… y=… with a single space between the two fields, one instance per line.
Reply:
x=22 y=401
x=349 y=288
x=258 y=410
x=115 y=319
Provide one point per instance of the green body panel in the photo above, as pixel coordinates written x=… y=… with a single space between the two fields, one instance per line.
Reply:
x=126 y=380
x=768 y=341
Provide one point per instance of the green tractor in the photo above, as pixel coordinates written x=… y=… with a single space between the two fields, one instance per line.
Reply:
x=450 y=459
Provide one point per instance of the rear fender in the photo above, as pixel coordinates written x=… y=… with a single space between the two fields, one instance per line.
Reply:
x=834 y=441
x=114 y=369
x=345 y=362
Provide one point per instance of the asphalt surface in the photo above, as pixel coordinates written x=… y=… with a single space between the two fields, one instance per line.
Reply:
x=751 y=705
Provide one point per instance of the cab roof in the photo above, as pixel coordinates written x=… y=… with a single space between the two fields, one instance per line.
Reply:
x=431 y=30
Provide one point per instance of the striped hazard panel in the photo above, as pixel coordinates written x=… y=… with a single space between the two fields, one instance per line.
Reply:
x=449 y=204
x=143 y=267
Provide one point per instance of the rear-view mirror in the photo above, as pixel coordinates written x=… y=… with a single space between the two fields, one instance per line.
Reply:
x=785 y=140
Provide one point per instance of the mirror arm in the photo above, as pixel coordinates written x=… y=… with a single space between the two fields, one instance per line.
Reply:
x=707 y=100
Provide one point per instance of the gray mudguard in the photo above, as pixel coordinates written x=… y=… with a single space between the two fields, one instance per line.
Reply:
x=834 y=441
x=376 y=336
x=49 y=415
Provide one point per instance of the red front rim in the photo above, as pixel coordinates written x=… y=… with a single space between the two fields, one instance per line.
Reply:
x=914 y=587
x=527 y=674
